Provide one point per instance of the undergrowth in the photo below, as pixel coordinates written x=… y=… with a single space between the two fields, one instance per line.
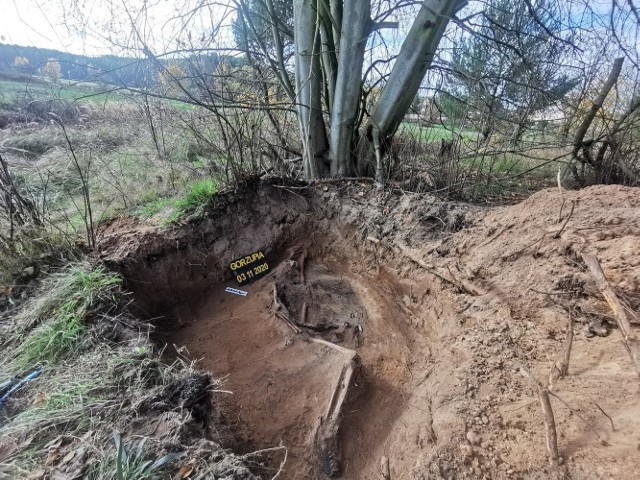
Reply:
x=171 y=210
x=51 y=325
x=130 y=461
x=66 y=416
x=30 y=249
x=76 y=418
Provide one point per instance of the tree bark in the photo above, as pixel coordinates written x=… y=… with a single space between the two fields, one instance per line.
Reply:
x=597 y=105
x=309 y=89
x=415 y=57
x=329 y=55
x=336 y=20
x=355 y=29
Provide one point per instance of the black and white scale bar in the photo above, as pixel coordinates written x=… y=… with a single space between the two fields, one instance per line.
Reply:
x=235 y=291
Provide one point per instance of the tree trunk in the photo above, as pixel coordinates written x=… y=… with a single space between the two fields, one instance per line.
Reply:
x=578 y=140
x=329 y=54
x=355 y=29
x=309 y=89
x=414 y=59
x=597 y=105
x=336 y=21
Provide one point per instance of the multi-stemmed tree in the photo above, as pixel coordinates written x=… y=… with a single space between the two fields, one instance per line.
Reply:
x=329 y=43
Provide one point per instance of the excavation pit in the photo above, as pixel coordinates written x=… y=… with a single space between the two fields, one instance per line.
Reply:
x=313 y=357
x=443 y=304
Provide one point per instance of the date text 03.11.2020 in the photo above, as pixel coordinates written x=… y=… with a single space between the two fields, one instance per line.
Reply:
x=250 y=267
x=242 y=277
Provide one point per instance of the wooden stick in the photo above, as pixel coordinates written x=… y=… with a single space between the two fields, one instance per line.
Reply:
x=518 y=252
x=500 y=232
x=561 y=369
x=549 y=426
x=549 y=420
x=630 y=341
x=564 y=367
x=559 y=232
x=464 y=285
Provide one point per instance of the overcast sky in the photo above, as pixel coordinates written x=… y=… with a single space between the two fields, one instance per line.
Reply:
x=25 y=23
x=41 y=23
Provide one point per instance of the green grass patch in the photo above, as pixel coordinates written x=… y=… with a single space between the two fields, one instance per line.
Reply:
x=182 y=106
x=60 y=313
x=15 y=92
x=172 y=209
x=131 y=461
x=199 y=193
x=64 y=401
x=435 y=132
x=153 y=207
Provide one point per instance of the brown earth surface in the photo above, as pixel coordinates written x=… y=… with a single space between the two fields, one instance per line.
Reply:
x=450 y=309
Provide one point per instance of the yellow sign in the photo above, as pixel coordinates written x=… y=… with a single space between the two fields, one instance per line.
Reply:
x=249 y=268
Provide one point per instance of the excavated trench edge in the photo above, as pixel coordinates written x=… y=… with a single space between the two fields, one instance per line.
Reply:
x=194 y=261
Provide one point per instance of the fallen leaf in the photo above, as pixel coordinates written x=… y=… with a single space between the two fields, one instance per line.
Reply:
x=184 y=472
x=67 y=458
x=52 y=457
x=40 y=398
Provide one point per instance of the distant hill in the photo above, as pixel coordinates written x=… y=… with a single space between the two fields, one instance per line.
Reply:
x=132 y=72
x=109 y=69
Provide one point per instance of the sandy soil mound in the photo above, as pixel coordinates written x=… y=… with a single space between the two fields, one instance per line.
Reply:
x=412 y=324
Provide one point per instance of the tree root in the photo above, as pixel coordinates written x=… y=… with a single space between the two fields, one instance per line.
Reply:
x=630 y=341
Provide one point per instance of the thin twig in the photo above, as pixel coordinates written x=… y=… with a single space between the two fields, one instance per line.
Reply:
x=551 y=293
x=500 y=232
x=550 y=426
x=84 y=180
x=549 y=420
x=613 y=428
x=345 y=179
x=464 y=285
x=573 y=205
x=518 y=252
x=284 y=460
x=575 y=412
x=564 y=369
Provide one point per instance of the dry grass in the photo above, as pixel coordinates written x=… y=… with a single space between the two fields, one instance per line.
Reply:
x=80 y=413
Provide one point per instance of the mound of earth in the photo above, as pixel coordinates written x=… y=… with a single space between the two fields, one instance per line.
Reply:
x=402 y=332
